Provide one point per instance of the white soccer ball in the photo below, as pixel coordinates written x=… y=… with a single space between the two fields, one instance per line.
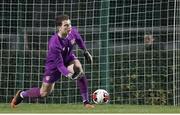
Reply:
x=100 y=96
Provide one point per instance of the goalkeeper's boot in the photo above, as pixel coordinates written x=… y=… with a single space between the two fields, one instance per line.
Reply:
x=16 y=100
x=87 y=105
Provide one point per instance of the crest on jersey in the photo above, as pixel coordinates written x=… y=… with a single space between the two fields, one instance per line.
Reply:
x=73 y=41
x=47 y=78
x=63 y=48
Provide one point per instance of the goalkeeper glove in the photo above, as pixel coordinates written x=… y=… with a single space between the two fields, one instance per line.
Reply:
x=69 y=75
x=75 y=76
x=88 y=56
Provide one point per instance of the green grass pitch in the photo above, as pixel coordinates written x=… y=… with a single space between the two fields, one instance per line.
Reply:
x=78 y=108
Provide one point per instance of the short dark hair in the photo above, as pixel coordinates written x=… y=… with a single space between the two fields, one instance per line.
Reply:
x=61 y=18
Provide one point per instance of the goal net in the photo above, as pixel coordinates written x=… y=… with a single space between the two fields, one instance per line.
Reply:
x=135 y=46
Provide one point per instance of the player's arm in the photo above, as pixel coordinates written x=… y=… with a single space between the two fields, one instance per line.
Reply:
x=59 y=63
x=55 y=53
x=82 y=45
x=61 y=67
x=64 y=70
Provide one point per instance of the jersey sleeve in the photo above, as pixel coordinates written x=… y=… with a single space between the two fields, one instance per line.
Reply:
x=57 y=57
x=60 y=66
x=79 y=39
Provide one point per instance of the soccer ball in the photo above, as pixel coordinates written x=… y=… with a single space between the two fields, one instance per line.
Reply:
x=100 y=96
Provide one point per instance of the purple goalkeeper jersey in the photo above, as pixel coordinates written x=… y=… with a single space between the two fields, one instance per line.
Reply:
x=60 y=52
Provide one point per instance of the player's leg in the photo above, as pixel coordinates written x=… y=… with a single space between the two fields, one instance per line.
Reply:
x=75 y=65
x=82 y=82
x=46 y=89
x=35 y=92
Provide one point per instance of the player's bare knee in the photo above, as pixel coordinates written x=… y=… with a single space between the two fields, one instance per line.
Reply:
x=46 y=89
x=78 y=65
x=78 y=68
x=44 y=93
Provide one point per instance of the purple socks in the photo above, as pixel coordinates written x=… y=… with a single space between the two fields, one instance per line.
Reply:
x=32 y=93
x=83 y=86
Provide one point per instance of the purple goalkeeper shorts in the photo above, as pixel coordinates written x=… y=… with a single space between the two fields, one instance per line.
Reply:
x=54 y=75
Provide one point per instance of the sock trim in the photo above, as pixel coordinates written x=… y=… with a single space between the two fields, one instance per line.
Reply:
x=21 y=94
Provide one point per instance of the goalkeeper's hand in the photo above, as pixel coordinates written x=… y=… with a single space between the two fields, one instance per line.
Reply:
x=75 y=76
x=69 y=75
x=88 y=56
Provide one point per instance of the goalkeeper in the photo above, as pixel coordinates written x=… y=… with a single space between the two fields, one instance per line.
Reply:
x=61 y=60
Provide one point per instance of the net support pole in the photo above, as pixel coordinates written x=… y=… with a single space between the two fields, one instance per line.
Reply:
x=176 y=62
x=177 y=45
x=104 y=61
